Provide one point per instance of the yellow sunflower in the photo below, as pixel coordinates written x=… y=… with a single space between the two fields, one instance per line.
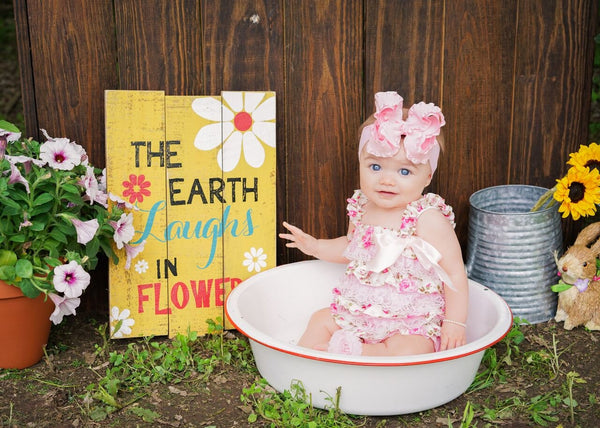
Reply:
x=578 y=192
x=586 y=156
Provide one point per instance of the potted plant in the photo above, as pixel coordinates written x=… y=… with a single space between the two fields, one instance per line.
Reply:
x=55 y=220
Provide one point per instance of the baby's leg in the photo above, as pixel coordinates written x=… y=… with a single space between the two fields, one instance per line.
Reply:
x=399 y=344
x=319 y=330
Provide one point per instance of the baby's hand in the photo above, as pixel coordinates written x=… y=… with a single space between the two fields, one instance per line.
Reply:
x=303 y=241
x=453 y=335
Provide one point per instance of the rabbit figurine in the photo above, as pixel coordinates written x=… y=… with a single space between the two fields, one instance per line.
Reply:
x=580 y=303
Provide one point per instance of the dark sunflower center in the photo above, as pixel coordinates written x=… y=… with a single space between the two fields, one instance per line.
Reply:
x=593 y=164
x=576 y=191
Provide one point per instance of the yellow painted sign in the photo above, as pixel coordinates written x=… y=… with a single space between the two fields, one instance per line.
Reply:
x=201 y=172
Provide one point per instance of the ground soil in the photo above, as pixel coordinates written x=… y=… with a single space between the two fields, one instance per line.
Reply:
x=52 y=393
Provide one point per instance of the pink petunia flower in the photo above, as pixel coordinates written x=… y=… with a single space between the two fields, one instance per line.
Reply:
x=60 y=154
x=90 y=183
x=63 y=306
x=85 y=229
x=132 y=252
x=25 y=223
x=71 y=279
x=124 y=230
x=122 y=204
x=16 y=177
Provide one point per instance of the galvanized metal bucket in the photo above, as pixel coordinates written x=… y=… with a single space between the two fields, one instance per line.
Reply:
x=511 y=250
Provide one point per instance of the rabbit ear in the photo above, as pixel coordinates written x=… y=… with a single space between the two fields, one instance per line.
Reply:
x=589 y=237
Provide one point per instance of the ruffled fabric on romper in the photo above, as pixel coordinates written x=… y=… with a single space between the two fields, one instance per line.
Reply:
x=405 y=297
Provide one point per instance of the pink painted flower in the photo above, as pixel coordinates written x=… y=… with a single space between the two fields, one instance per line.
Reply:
x=71 y=279
x=124 y=230
x=63 y=306
x=136 y=188
x=85 y=229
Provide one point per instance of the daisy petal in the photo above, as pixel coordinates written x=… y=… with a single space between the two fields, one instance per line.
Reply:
x=234 y=100
x=265 y=131
x=229 y=155
x=208 y=108
x=265 y=111
x=254 y=153
x=208 y=137
x=252 y=99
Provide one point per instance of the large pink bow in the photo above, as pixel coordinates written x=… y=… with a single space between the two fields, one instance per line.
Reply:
x=420 y=129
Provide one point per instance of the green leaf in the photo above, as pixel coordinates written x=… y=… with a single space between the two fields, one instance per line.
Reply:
x=28 y=288
x=42 y=199
x=17 y=238
x=57 y=235
x=92 y=247
x=41 y=209
x=561 y=286
x=7 y=126
x=70 y=188
x=52 y=262
x=24 y=268
x=37 y=226
x=10 y=206
x=7 y=258
x=7 y=273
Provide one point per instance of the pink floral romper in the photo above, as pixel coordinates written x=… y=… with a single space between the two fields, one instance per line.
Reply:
x=393 y=283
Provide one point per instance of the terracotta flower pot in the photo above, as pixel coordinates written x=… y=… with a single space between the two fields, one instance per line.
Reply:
x=24 y=327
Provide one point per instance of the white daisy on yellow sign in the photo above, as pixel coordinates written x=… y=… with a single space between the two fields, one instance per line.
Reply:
x=241 y=123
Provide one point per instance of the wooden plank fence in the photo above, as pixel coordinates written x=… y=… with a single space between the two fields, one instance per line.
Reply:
x=513 y=79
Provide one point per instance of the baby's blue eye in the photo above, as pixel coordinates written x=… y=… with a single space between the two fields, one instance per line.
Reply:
x=376 y=167
x=404 y=171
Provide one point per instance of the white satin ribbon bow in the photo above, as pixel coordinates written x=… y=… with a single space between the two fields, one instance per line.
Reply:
x=390 y=247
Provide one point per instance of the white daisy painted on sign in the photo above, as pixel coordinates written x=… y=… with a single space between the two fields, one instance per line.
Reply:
x=248 y=123
x=120 y=322
x=255 y=259
x=141 y=266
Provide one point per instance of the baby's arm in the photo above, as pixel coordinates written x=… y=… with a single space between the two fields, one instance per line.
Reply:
x=434 y=228
x=331 y=250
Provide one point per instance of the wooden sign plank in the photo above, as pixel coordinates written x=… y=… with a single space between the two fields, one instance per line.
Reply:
x=135 y=131
x=209 y=222
x=195 y=247
x=249 y=216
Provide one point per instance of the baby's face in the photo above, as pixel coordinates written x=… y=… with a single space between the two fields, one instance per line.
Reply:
x=392 y=182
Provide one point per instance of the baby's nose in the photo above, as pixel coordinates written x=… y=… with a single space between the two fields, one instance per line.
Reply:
x=386 y=178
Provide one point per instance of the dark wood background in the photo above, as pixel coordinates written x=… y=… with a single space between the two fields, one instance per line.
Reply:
x=513 y=78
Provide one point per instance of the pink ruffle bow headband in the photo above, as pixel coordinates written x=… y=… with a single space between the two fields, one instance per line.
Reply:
x=420 y=129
